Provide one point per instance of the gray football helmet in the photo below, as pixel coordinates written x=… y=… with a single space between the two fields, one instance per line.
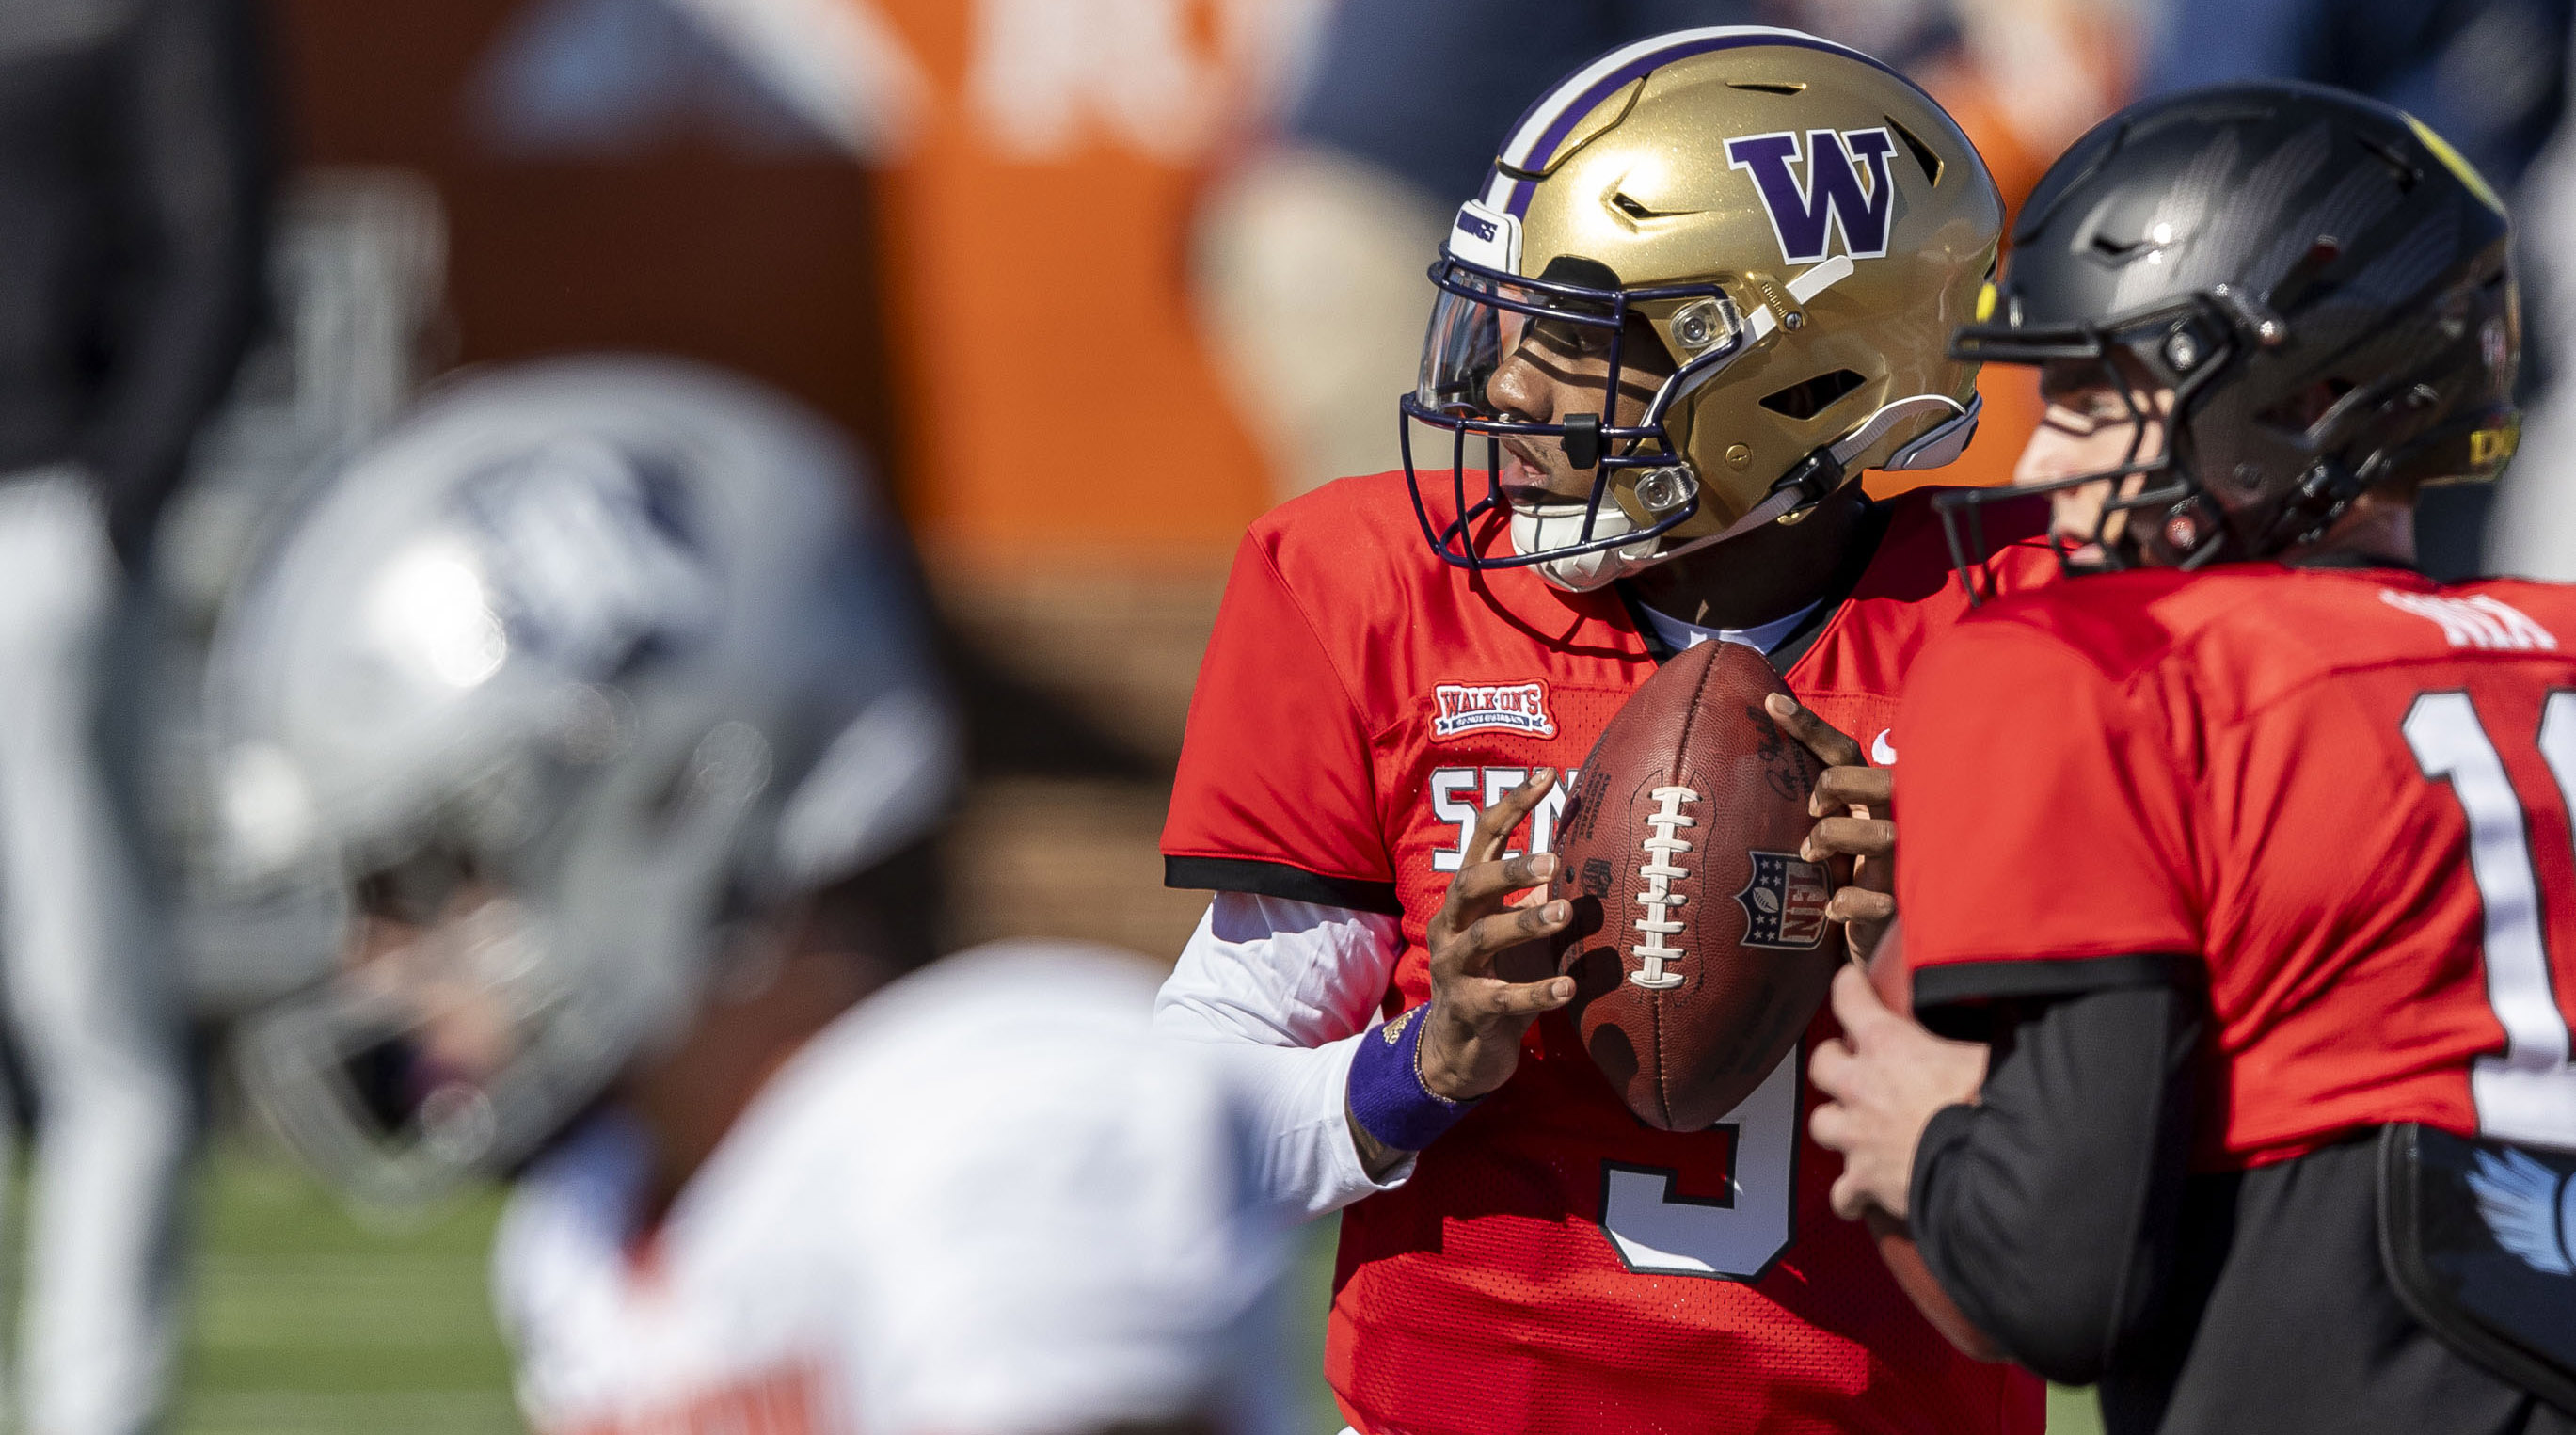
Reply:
x=629 y=645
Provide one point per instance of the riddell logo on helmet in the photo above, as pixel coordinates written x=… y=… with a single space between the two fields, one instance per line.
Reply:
x=1804 y=218
x=1460 y=708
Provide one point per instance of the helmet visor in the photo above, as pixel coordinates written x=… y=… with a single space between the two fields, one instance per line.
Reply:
x=1479 y=321
x=1578 y=337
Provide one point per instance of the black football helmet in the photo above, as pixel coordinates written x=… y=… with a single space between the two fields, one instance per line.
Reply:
x=2320 y=280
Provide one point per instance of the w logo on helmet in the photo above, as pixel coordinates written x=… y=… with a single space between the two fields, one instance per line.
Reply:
x=1833 y=198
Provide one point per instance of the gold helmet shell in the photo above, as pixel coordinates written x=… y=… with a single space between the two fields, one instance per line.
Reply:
x=1799 y=226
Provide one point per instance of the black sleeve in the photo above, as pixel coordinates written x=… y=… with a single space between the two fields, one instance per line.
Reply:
x=191 y=150
x=2048 y=1211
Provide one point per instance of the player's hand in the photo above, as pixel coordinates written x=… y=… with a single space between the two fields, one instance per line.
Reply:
x=1853 y=803
x=1492 y=972
x=1885 y=1077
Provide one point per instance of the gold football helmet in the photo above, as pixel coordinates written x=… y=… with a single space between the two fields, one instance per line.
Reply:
x=1768 y=236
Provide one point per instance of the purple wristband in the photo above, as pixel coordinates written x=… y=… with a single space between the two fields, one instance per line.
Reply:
x=1386 y=1091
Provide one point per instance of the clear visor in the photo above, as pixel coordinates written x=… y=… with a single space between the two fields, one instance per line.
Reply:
x=1478 y=321
x=1481 y=320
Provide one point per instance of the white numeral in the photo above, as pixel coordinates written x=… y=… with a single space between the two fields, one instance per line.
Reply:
x=2529 y=1092
x=1455 y=794
x=1658 y=1231
x=1449 y=805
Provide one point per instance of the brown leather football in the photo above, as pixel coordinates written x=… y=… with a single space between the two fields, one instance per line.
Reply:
x=1699 y=945
x=1894 y=982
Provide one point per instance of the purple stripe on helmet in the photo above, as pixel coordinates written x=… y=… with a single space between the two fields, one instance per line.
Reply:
x=1645 y=65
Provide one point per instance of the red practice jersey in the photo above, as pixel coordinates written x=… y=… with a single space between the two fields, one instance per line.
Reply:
x=1553 y=1264
x=2338 y=796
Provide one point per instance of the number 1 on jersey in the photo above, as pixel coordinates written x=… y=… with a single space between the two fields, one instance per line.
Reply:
x=2528 y=1093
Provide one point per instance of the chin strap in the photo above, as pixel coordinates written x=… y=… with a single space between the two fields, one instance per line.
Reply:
x=2321 y=497
x=1818 y=476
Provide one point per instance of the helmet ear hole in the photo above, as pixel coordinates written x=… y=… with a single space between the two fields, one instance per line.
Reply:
x=1810 y=397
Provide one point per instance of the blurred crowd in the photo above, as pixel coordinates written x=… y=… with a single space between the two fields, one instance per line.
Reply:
x=1086 y=284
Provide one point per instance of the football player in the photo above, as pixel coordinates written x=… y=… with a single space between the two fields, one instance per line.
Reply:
x=2270 y=908
x=1708 y=284
x=602 y=688
x=135 y=161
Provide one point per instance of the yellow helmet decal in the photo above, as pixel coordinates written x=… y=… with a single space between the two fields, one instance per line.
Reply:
x=2457 y=163
x=2492 y=446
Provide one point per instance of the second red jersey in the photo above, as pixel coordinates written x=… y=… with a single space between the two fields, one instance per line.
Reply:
x=1553 y=1264
x=2337 y=796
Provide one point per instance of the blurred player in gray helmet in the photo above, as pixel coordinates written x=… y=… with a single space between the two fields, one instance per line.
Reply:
x=133 y=167
x=604 y=688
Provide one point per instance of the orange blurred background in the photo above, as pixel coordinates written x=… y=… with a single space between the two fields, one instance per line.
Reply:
x=974 y=233
x=999 y=297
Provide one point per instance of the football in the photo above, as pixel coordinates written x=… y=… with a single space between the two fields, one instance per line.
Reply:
x=1698 y=943
x=1894 y=982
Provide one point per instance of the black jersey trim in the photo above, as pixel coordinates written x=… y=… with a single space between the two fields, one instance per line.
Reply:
x=1278 y=879
x=2352 y=561
x=2049 y=977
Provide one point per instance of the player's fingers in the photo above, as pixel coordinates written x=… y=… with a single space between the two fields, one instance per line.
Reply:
x=1820 y=737
x=1860 y=904
x=1831 y=1062
x=1474 y=948
x=1849 y=837
x=1520 y=999
x=1481 y=889
x=1839 y=789
x=1849 y=1201
x=1480 y=884
x=1857 y=1007
x=1494 y=825
x=1874 y=874
x=1831 y=1125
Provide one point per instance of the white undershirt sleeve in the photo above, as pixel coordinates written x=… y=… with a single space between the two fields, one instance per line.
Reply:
x=1281 y=992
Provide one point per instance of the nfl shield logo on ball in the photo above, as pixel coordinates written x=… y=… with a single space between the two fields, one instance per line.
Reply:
x=1784 y=904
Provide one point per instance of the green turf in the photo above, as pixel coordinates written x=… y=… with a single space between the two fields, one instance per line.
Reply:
x=308 y=1322
x=2073 y=1412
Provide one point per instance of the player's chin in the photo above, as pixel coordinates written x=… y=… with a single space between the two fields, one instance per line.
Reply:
x=2085 y=556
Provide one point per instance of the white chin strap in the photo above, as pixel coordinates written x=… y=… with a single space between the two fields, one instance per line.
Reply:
x=1541 y=526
